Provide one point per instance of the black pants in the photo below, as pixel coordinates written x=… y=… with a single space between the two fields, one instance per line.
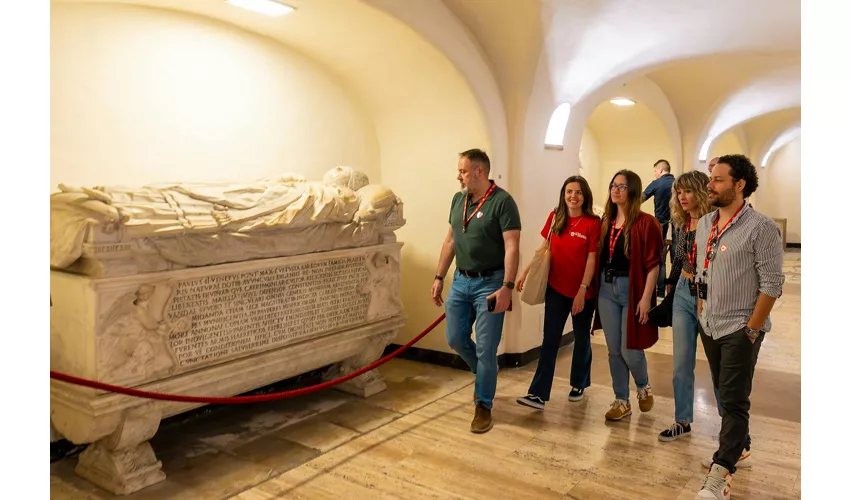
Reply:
x=556 y=312
x=661 y=288
x=732 y=360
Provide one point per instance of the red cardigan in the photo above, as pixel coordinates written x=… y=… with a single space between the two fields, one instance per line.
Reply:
x=645 y=249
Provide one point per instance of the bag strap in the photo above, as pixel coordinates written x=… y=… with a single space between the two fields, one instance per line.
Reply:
x=551 y=227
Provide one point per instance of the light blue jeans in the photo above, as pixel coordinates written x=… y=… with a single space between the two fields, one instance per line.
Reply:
x=685 y=335
x=467 y=304
x=614 y=314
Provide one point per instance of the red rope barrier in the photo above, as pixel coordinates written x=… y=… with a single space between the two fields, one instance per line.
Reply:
x=63 y=377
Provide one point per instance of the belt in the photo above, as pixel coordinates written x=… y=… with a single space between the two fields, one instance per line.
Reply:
x=480 y=274
x=616 y=274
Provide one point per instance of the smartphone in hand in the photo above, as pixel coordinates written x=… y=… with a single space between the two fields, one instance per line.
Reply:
x=491 y=304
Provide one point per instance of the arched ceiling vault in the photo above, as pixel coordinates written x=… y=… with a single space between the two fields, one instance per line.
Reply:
x=708 y=58
x=699 y=53
x=761 y=132
x=383 y=59
x=591 y=43
x=771 y=92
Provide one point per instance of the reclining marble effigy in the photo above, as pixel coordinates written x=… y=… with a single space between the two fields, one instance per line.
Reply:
x=105 y=231
x=212 y=289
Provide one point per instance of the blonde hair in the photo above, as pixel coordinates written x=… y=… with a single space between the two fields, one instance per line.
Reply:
x=696 y=182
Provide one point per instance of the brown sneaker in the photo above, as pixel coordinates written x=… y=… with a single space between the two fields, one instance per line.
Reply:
x=483 y=420
x=619 y=410
x=645 y=399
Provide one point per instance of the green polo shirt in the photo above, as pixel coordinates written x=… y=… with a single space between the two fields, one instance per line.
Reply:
x=482 y=246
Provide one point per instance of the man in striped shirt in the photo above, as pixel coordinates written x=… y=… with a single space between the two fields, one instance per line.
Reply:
x=739 y=277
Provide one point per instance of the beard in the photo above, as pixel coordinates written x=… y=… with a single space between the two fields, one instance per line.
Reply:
x=464 y=189
x=722 y=199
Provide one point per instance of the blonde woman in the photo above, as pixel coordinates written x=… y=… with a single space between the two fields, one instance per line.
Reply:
x=688 y=204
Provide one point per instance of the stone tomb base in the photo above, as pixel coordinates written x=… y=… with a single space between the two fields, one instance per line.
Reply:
x=213 y=331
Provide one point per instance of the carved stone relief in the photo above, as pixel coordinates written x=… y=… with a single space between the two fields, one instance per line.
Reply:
x=158 y=329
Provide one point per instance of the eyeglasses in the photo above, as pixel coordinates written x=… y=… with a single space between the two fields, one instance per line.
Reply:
x=621 y=187
x=712 y=251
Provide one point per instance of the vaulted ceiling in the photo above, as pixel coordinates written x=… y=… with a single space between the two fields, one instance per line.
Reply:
x=721 y=64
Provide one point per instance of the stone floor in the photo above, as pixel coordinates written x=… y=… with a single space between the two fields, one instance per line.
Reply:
x=412 y=441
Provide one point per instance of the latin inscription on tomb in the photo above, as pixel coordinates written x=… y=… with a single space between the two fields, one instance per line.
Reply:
x=238 y=313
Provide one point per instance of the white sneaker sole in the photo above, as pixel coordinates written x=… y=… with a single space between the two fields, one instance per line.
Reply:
x=707 y=495
x=669 y=439
x=577 y=398
x=530 y=404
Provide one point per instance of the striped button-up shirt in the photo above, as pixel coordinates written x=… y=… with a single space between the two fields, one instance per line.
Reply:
x=748 y=261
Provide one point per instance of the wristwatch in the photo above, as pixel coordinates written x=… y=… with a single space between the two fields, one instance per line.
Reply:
x=752 y=334
x=509 y=284
x=438 y=277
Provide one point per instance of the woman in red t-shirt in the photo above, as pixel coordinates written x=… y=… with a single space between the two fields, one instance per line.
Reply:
x=575 y=233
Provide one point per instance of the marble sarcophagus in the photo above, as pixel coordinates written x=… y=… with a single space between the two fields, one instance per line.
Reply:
x=212 y=289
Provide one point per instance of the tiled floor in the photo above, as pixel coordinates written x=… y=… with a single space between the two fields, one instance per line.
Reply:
x=413 y=440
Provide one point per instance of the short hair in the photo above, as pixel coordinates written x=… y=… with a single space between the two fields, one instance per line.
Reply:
x=665 y=167
x=740 y=167
x=477 y=156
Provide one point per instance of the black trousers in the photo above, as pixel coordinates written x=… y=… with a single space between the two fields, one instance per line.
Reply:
x=732 y=360
x=661 y=288
x=557 y=310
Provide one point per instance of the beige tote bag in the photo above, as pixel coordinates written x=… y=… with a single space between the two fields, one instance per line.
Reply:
x=534 y=290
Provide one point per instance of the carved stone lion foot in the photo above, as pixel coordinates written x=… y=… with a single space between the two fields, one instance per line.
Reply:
x=371 y=382
x=124 y=462
x=120 y=472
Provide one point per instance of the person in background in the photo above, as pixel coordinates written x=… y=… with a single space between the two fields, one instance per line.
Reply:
x=629 y=257
x=688 y=205
x=739 y=277
x=484 y=236
x=711 y=163
x=574 y=239
x=662 y=190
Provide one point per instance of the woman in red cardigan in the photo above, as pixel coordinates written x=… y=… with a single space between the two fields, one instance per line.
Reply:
x=629 y=257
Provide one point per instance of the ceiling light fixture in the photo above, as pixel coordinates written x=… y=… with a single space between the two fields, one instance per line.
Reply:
x=267 y=7
x=622 y=101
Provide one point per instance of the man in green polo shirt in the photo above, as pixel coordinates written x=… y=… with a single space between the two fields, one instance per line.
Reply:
x=484 y=237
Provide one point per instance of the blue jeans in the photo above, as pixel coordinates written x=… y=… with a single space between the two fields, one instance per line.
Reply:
x=556 y=312
x=685 y=334
x=614 y=314
x=467 y=304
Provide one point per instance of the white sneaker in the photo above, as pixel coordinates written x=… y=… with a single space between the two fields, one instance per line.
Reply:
x=717 y=484
x=743 y=462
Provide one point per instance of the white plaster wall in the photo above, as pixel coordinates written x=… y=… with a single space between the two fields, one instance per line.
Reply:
x=779 y=188
x=144 y=95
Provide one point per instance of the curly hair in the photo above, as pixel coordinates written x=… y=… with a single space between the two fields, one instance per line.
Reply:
x=695 y=182
x=740 y=167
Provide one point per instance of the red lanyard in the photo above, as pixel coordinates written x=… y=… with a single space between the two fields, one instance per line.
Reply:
x=466 y=206
x=692 y=255
x=714 y=230
x=613 y=238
